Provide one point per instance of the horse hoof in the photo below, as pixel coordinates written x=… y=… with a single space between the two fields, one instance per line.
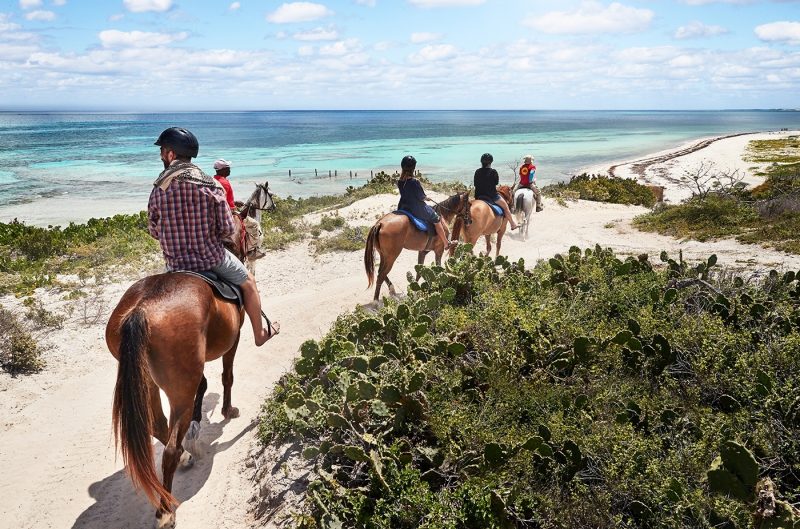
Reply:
x=230 y=413
x=187 y=460
x=165 y=520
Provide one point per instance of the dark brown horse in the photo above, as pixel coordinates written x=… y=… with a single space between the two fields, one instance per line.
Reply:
x=394 y=232
x=483 y=222
x=162 y=332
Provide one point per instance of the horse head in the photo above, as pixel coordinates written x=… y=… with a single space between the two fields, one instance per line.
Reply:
x=505 y=192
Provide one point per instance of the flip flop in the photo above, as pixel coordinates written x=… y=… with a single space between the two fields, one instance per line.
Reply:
x=271 y=331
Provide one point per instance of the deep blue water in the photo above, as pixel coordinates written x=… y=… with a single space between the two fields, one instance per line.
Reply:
x=108 y=158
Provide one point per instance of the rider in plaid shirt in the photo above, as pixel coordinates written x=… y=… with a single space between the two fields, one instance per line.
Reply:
x=190 y=217
x=191 y=237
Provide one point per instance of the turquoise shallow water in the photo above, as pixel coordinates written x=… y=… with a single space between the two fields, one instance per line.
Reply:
x=103 y=160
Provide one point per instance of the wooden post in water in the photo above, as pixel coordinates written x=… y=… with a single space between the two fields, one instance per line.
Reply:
x=315 y=173
x=290 y=173
x=336 y=173
x=351 y=175
x=329 y=173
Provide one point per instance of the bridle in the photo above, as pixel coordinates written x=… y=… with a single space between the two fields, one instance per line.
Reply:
x=462 y=211
x=252 y=203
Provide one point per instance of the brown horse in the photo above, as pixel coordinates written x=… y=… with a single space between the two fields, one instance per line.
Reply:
x=162 y=332
x=483 y=222
x=394 y=232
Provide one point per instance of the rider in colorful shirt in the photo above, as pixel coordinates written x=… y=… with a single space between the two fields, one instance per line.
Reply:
x=527 y=179
x=223 y=170
x=412 y=199
x=486 y=180
x=189 y=216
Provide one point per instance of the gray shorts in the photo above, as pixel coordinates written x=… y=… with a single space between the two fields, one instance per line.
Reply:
x=231 y=269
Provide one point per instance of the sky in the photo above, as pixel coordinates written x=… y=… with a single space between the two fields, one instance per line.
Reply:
x=183 y=55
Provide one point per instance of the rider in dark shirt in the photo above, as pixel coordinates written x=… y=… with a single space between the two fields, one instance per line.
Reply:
x=486 y=182
x=412 y=199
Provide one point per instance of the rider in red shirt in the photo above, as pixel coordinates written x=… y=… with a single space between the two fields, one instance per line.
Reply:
x=223 y=169
x=527 y=178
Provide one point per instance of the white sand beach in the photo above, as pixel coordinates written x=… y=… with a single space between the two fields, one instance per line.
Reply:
x=58 y=464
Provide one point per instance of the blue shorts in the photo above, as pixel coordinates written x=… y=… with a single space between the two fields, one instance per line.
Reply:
x=231 y=269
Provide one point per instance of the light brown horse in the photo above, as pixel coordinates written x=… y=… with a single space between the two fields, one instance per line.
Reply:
x=483 y=222
x=393 y=232
x=162 y=332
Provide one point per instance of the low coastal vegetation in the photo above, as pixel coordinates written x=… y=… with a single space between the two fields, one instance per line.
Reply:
x=589 y=391
x=20 y=349
x=720 y=206
x=601 y=188
x=32 y=257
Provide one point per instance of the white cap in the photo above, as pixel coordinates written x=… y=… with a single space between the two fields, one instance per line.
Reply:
x=527 y=158
x=221 y=164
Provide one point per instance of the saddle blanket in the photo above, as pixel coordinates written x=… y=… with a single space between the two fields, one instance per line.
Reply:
x=225 y=290
x=418 y=223
x=498 y=211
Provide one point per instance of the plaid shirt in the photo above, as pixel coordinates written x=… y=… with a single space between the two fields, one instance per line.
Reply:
x=190 y=221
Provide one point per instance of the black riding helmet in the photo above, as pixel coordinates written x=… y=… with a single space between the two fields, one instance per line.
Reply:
x=180 y=140
x=486 y=159
x=409 y=162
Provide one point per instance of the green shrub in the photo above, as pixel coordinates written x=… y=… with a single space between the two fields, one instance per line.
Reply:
x=19 y=351
x=591 y=391
x=603 y=189
x=350 y=239
x=331 y=222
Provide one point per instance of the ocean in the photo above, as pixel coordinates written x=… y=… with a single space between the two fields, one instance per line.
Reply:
x=57 y=168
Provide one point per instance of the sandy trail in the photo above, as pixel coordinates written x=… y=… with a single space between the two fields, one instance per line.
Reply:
x=57 y=461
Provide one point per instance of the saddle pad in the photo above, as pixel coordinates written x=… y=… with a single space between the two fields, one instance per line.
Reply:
x=420 y=224
x=498 y=211
x=225 y=290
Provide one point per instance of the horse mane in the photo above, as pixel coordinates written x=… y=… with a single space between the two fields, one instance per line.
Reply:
x=447 y=205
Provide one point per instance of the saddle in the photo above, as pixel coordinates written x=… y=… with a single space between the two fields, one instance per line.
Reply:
x=421 y=225
x=498 y=211
x=418 y=223
x=225 y=290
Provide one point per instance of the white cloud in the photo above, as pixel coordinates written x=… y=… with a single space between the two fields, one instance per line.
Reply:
x=41 y=16
x=317 y=34
x=696 y=29
x=298 y=12
x=434 y=52
x=419 y=38
x=788 y=32
x=368 y=3
x=593 y=17
x=29 y=4
x=305 y=51
x=59 y=2
x=112 y=38
x=706 y=2
x=234 y=6
x=446 y=3
x=142 y=6
x=340 y=48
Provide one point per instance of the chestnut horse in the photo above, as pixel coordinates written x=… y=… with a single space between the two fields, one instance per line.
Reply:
x=393 y=232
x=483 y=222
x=162 y=332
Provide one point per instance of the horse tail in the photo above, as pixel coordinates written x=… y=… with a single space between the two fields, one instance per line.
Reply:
x=520 y=202
x=132 y=416
x=369 y=253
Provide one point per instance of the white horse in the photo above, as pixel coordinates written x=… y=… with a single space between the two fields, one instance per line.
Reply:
x=523 y=209
x=245 y=243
